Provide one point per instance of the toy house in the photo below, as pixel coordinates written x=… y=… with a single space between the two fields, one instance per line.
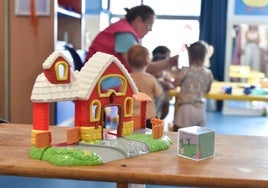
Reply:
x=102 y=82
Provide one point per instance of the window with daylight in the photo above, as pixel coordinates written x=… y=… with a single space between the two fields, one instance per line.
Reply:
x=128 y=106
x=95 y=110
x=61 y=70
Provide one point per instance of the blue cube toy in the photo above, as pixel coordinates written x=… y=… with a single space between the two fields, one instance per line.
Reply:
x=196 y=143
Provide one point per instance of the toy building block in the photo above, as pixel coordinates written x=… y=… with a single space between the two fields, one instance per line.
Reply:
x=137 y=121
x=157 y=128
x=41 y=116
x=73 y=135
x=91 y=134
x=128 y=128
x=41 y=139
x=196 y=143
x=143 y=99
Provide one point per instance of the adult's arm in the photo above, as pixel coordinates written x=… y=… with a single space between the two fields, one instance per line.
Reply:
x=162 y=64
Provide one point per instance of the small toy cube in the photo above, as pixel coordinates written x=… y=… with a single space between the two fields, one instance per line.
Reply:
x=196 y=143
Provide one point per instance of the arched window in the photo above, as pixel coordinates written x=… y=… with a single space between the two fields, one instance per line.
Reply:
x=112 y=83
x=95 y=110
x=128 y=106
x=61 y=70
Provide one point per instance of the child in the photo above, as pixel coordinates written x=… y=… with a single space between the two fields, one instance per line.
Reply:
x=138 y=58
x=160 y=53
x=194 y=81
x=165 y=79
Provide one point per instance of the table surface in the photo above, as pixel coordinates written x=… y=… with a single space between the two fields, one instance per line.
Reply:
x=237 y=92
x=240 y=161
x=250 y=74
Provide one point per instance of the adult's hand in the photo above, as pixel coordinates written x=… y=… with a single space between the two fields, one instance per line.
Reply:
x=174 y=61
x=162 y=64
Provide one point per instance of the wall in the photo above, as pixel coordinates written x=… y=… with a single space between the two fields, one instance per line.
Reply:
x=27 y=52
x=2 y=59
x=92 y=20
x=92 y=27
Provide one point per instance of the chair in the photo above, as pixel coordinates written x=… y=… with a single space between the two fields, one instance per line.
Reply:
x=3 y=121
x=78 y=64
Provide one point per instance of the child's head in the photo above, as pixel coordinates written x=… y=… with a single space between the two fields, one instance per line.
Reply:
x=197 y=52
x=160 y=53
x=138 y=56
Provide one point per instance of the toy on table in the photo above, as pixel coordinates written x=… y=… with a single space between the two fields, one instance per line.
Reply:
x=196 y=143
x=102 y=82
x=227 y=89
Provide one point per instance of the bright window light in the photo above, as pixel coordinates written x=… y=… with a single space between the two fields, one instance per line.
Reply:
x=177 y=23
x=175 y=7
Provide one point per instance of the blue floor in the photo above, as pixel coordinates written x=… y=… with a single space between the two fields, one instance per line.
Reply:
x=222 y=124
x=237 y=125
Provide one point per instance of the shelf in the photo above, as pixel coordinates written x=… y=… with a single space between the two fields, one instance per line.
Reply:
x=69 y=22
x=64 y=12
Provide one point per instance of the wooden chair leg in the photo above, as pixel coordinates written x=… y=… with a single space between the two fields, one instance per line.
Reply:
x=122 y=185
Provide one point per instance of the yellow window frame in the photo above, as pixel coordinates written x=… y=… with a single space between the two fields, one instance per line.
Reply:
x=97 y=113
x=65 y=71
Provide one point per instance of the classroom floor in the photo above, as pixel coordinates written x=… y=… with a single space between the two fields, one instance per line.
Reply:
x=222 y=124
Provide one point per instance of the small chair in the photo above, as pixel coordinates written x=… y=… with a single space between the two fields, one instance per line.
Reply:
x=78 y=64
x=3 y=121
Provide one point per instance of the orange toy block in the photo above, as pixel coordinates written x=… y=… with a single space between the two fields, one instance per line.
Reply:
x=73 y=135
x=157 y=128
x=43 y=139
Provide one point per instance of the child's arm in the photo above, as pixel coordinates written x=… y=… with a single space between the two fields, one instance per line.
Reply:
x=162 y=64
x=166 y=84
x=179 y=77
x=210 y=83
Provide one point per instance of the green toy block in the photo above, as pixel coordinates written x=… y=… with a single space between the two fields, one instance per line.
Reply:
x=196 y=143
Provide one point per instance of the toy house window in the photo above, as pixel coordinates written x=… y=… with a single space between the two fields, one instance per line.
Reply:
x=61 y=70
x=112 y=82
x=128 y=106
x=95 y=110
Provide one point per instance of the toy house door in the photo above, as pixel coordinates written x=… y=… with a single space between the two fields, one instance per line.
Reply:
x=113 y=119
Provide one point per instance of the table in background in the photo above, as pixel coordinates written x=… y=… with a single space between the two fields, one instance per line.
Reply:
x=237 y=92
x=245 y=72
x=217 y=93
x=240 y=161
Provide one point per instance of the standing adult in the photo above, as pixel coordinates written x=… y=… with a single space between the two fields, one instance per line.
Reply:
x=252 y=49
x=117 y=38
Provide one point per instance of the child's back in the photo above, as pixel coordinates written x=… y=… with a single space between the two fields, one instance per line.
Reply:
x=194 y=81
x=138 y=58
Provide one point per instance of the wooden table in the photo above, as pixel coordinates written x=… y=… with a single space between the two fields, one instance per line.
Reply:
x=240 y=161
